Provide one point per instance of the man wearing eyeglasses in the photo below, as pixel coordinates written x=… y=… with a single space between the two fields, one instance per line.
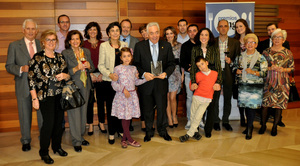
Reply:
x=271 y=27
x=63 y=22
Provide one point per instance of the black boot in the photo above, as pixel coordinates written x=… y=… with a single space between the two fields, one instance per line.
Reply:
x=262 y=129
x=249 y=133
x=264 y=118
x=242 y=116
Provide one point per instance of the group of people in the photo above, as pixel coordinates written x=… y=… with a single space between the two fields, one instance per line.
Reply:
x=207 y=66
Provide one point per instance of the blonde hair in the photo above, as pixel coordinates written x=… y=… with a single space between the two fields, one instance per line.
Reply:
x=251 y=35
x=47 y=33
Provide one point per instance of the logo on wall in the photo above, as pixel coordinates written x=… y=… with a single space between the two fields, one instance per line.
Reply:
x=231 y=12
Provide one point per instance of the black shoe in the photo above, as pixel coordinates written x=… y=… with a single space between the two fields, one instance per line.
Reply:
x=131 y=128
x=227 y=126
x=147 y=138
x=207 y=135
x=90 y=133
x=249 y=133
x=26 y=147
x=61 y=152
x=166 y=136
x=281 y=124
x=171 y=126
x=197 y=136
x=274 y=131
x=111 y=141
x=217 y=127
x=85 y=143
x=47 y=159
x=175 y=125
x=102 y=131
x=245 y=131
x=77 y=148
x=262 y=129
x=144 y=129
x=184 y=138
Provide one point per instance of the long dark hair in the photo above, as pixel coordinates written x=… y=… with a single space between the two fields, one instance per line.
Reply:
x=211 y=40
x=69 y=37
x=174 y=31
x=248 y=30
x=89 y=26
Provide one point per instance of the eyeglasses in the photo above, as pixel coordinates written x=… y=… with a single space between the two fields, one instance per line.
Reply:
x=64 y=22
x=278 y=37
x=251 y=42
x=50 y=40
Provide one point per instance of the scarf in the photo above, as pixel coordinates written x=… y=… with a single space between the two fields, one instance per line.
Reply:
x=83 y=75
x=254 y=59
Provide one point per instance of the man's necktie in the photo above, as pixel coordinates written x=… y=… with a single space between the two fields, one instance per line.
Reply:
x=154 y=56
x=31 y=50
x=124 y=39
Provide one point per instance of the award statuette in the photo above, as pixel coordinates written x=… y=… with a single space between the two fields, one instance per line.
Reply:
x=156 y=71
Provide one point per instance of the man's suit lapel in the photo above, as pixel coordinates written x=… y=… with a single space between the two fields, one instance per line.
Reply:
x=38 y=45
x=23 y=47
x=160 y=48
x=148 y=52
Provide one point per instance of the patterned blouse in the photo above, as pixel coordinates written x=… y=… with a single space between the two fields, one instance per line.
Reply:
x=42 y=72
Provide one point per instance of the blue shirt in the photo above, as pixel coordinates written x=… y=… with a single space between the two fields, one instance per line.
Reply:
x=127 y=39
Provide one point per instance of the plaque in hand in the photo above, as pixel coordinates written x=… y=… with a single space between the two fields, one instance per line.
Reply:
x=156 y=70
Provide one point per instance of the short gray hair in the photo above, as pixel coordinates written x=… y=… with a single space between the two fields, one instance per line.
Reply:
x=151 y=24
x=278 y=30
x=29 y=20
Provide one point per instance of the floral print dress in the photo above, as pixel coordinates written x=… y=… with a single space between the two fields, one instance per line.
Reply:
x=175 y=78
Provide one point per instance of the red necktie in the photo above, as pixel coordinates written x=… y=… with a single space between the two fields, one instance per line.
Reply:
x=31 y=50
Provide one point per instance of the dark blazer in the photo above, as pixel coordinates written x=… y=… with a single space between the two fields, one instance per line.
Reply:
x=72 y=62
x=17 y=56
x=234 y=51
x=133 y=42
x=266 y=44
x=142 y=58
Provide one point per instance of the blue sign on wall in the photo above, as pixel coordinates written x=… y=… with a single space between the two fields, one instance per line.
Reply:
x=230 y=11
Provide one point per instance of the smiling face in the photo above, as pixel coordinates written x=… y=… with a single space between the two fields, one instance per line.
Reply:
x=170 y=35
x=126 y=27
x=223 y=28
x=126 y=58
x=75 y=41
x=251 y=44
x=93 y=32
x=240 y=28
x=202 y=65
x=153 y=34
x=271 y=29
x=278 y=39
x=192 y=31
x=144 y=34
x=182 y=27
x=204 y=37
x=50 y=42
x=64 y=24
x=114 y=33
x=30 y=30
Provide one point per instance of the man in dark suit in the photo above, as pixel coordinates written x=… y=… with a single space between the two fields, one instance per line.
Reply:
x=232 y=48
x=271 y=27
x=125 y=36
x=154 y=92
x=18 y=55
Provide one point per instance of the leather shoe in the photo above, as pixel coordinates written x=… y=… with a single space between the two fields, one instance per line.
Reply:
x=262 y=129
x=274 y=131
x=85 y=143
x=90 y=133
x=281 y=124
x=184 y=138
x=207 y=135
x=249 y=133
x=147 y=138
x=26 y=147
x=217 y=127
x=197 y=136
x=166 y=136
x=227 y=126
x=77 y=148
x=47 y=159
x=61 y=152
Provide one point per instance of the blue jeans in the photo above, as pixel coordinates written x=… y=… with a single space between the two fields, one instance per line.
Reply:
x=189 y=94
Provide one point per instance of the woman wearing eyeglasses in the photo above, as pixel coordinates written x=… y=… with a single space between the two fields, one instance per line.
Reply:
x=276 y=90
x=251 y=67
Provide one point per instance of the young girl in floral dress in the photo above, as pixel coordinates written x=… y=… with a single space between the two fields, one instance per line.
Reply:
x=126 y=103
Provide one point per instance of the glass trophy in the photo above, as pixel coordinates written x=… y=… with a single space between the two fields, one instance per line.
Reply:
x=156 y=70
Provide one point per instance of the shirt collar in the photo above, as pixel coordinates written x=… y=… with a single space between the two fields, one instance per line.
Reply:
x=150 y=43
x=28 y=41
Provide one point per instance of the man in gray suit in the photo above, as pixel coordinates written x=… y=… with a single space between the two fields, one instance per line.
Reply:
x=125 y=36
x=18 y=55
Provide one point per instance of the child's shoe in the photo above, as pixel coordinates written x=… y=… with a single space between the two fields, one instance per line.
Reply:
x=197 y=136
x=184 y=138
x=134 y=144
x=124 y=144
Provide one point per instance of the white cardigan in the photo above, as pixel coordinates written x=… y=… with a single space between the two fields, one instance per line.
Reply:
x=106 y=62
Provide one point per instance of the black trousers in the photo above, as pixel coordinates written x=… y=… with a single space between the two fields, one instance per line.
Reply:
x=148 y=102
x=100 y=105
x=211 y=113
x=227 y=93
x=51 y=129
x=107 y=95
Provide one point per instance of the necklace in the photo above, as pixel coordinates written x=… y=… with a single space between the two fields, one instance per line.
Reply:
x=93 y=44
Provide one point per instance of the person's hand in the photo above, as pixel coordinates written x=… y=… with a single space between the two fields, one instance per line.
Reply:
x=148 y=76
x=194 y=86
x=162 y=75
x=273 y=67
x=87 y=65
x=36 y=104
x=99 y=78
x=80 y=66
x=189 y=68
x=280 y=69
x=61 y=76
x=93 y=77
x=217 y=87
x=113 y=76
x=239 y=71
x=249 y=71
x=227 y=60
x=126 y=93
x=25 y=68
x=182 y=77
